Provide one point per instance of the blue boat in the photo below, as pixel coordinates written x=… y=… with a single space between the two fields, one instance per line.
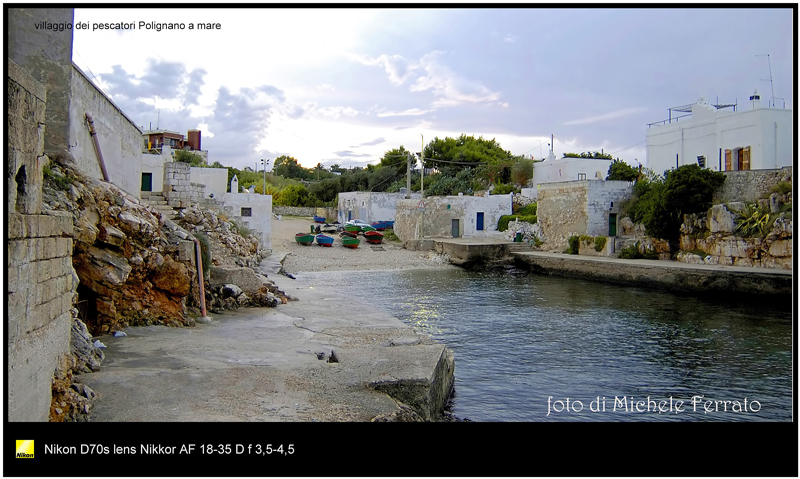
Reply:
x=382 y=225
x=324 y=240
x=319 y=219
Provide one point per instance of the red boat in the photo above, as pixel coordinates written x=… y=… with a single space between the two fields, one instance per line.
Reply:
x=373 y=237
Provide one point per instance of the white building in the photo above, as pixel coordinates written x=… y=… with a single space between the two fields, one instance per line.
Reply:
x=450 y=216
x=753 y=136
x=369 y=206
x=553 y=170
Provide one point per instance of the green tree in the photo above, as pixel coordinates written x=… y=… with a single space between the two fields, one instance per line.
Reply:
x=288 y=167
x=188 y=157
x=619 y=170
x=661 y=205
x=293 y=195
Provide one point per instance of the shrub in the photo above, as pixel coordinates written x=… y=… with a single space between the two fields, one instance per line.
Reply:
x=574 y=245
x=619 y=170
x=782 y=188
x=632 y=252
x=504 y=189
x=57 y=181
x=528 y=219
x=188 y=157
x=599 y=243
x=529 y=210
x=502 y=223
x=755 y=221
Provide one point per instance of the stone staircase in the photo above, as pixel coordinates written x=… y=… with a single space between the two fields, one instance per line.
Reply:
x=159 y=203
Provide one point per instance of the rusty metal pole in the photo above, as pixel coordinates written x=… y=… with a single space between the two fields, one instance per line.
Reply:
x=97 y=151
x=200 y=276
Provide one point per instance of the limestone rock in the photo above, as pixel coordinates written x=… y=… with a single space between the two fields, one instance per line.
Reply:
x=87 y=356
x=172 y=277
x=721 y=220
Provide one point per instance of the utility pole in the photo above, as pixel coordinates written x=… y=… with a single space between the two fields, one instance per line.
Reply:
x=422 y=162
x=408 y=177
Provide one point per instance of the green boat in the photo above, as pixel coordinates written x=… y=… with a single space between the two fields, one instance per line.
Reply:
x=304 y=238
x=348 y=242
x=364 y=229
x=352 y=228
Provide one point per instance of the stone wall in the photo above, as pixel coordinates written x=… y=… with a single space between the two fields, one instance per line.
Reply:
x=750 y=185
x=181 y=192
x=561 y=212
x=260 y=214
x=575 y=208
x=40 y=287
x=46 y=55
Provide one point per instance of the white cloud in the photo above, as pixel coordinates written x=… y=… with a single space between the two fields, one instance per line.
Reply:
x=450 y=88
x=409 y=112
x=606 y=116
x=397 y=68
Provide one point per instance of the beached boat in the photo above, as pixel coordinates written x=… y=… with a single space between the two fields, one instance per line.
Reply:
x=348 y=234
x=352 y=228
x=349 y=242
x=365 y=229
x=304 y=238
x=382 y=225
x=324 y=240
x=373 y=237
x=319 y=219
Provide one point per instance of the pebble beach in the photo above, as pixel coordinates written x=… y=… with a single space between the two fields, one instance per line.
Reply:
x=314 y=258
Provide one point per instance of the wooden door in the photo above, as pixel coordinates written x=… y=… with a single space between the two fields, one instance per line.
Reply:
x=744 y=156
x=727 y=160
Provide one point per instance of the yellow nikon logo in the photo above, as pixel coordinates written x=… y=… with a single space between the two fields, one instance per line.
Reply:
x=24 y=449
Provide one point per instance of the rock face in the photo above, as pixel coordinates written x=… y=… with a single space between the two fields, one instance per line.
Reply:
x=713 y=239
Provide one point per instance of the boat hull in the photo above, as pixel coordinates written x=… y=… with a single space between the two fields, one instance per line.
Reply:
x=324 y=240
x=351 y=243
x=304 y=239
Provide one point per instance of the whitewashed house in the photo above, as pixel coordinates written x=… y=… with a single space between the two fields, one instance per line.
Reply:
x=752 y=136
x=369 y=206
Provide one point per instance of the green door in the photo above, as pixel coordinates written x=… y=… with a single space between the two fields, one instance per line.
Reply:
x=455 y=228
x=612 y=224
x=147 y=182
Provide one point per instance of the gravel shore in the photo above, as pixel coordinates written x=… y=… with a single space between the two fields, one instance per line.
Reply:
x=367 y=257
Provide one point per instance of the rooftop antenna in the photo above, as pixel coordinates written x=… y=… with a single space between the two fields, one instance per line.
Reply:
x=769 y=62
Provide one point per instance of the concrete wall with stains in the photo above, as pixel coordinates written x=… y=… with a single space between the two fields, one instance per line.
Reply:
x=121 y=142
x=369 y=206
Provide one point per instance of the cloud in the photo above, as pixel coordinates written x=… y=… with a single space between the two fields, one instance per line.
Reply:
x=337 y=111
x=409 y=112
x=374 y=142
x=509 y=38
x=450 y=88
x=607 y=116
x=397 y=68
x=350 y=154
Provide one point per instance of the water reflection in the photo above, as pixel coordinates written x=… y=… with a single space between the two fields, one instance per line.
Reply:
x=520 y=340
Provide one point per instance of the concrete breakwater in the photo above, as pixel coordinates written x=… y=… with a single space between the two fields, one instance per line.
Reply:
x=661 y=274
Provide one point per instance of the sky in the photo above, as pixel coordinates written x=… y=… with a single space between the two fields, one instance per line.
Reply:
x=345 y=84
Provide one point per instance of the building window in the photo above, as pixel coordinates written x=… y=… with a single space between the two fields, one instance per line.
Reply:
x=581 y=176
x=247 y=211
x=701 y=161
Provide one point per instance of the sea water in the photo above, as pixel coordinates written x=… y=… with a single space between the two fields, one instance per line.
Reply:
x=540 y=348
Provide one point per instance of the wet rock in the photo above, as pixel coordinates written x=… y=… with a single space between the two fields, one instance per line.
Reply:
x=230 y=291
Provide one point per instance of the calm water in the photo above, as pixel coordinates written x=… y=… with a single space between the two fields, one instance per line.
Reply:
x=624 y=354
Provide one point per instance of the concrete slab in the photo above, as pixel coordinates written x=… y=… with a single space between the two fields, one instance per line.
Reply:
x=273 y=364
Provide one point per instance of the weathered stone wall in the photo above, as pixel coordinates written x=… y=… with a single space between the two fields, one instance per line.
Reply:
x=750 y=185
x=561 y=212
x=46 y=55
x=181 y=192
x=328 y=213
x=578 y=208
x=40 y=288
x=215 y=180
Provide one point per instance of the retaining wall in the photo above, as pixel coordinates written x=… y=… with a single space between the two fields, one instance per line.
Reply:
x=40 y=287
x=750 y=185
